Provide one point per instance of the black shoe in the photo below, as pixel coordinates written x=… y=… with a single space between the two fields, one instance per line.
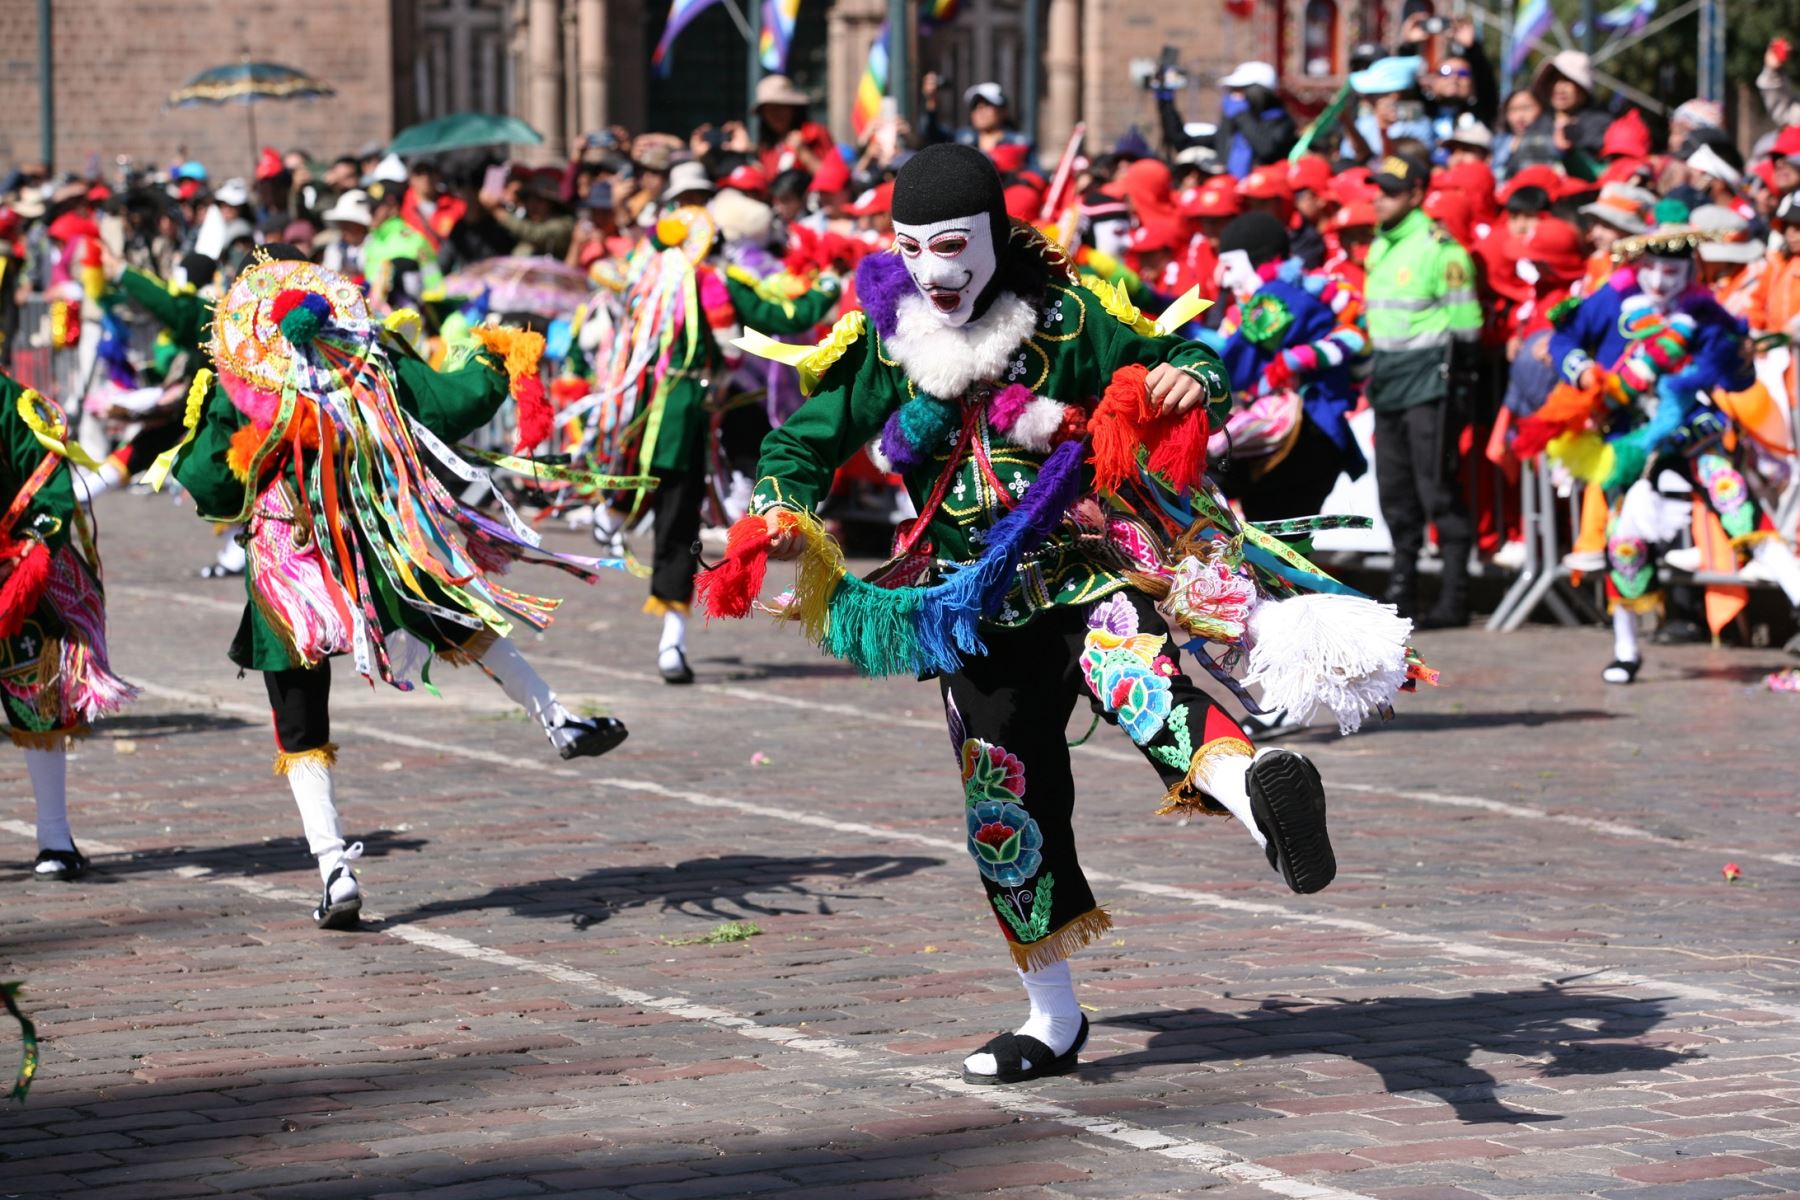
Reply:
x=680 y=672
x=342 y=914
x=1288 y=802
x=1402 y=592
x=1620 y=671
x=1680 y=631
x=1443 y=618
x=1010 y=1050
x=62 y=865
x=599 y=735
x=219 y=571
x=1792 y=646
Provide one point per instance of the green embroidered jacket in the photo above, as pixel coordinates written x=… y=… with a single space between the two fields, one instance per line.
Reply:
x=1070 y=356
x=49 y=517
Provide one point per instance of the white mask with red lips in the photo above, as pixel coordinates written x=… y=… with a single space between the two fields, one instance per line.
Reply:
x=951 y=262
x=1664 y=278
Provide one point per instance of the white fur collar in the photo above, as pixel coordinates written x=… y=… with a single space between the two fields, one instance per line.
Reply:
x=943 y=360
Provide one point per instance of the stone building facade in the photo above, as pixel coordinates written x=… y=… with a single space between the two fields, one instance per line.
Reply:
x=568 y=66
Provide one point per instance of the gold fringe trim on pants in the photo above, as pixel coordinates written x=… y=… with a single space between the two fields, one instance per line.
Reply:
x=1048 y=951
x=46 y=739
x=470 y=652
x=656 y=606
x=1649 y=602
x=1751 y=540
x=325 y=756
x=1189 y=797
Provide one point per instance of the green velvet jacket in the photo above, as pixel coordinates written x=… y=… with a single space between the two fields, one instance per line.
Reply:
x=681 y=436
x=49 y=516
x=1070 y=356
x=452 y=404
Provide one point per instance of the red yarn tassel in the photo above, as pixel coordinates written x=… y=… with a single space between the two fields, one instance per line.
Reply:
x=24 y=588
x=1179 y=452
x=1567 y=410
x=535 y=420
x=729 y=589
x=1116 y=428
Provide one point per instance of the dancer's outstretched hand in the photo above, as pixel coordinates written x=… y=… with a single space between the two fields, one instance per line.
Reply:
x=1174 y=390
x=784 y=543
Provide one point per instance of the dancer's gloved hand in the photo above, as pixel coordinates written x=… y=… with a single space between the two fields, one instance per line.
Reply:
x=1173 y=390
x=784 y=543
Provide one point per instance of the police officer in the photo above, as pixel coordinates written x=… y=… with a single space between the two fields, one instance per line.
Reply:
x=1423 y=319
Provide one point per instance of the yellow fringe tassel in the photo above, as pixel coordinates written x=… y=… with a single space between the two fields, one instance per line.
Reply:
x=1048 y=951
x=656 y=606
x=1649 y=602
x=1189 y=796
x=821 y=569
x=479 y=643
x=520 y=348
x=325 y=756
x=158 y=474
x=48 y=739
x=1751 y=540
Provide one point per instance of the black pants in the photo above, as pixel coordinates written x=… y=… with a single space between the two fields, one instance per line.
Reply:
x=676 y=508
x=1008 y=711
x=1296 y=486
x=300 y=700
x=1416 y=462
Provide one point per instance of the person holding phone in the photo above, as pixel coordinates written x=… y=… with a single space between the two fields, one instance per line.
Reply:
x=1777 y=92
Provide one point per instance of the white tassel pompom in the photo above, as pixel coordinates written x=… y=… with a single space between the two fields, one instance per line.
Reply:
x=1345 y=652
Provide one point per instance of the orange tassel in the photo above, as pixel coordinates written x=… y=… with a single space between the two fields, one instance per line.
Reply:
x=521 y=349
x=731 y=587
x=1179 y=452
x=1567 y=410
x=20 y=594
x=1116 y=428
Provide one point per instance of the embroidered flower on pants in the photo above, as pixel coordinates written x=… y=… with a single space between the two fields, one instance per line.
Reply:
x=990 y=773
x=1004 y=842
x=1123 y=669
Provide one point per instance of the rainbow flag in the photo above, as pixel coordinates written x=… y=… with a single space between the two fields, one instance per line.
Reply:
x=681 y=15
x=1530 y=23
x=1628 y=17
x=778 y=18
x=937 y=12
x=872 y=86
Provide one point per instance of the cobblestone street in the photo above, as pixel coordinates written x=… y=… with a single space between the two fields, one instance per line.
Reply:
x=1531 y=977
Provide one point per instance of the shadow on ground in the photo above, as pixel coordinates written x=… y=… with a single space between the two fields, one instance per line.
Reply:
x=1418 y=1043
x=729 y=887
x=274 y=857
x=165 y=724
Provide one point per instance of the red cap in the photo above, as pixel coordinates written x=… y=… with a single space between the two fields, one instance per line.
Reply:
x=1453 y=212
x=268 y=165
x=1216 y=198
x=1626 y=137
x=187 y=189
x=1623 y=170
x=1009 y=158
x=1786 y=143
x=1265 y=183
x=1309 y=173
x=1555 y=248
x=1357 y=212
x=875 y=200
x=1352 y=186
x=70 y=226
x=747 y=178
x=99 y=192
x=832 y=175
x=1023 y=201
x=1540 y=175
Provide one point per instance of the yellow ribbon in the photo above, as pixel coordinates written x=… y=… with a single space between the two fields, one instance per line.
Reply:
x=811 y=361
x=1188 y=306
x=158 y=474
x=51 y=436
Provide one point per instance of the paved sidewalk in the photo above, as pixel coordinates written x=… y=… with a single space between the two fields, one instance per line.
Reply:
x=1530 y=979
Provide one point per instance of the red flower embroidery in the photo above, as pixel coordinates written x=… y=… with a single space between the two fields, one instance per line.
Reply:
x=995 y=834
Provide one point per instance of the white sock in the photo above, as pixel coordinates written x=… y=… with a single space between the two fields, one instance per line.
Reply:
x=526 y=688
x=231 y=555
x=315 y=797
x=49 y=770
x=1226 y=779
x=1625 y=635
x=1773 y=554
x=674 y=634
x=1055 y=1018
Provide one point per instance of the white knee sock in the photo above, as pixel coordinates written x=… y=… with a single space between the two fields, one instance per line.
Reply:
x=231 y=555
x=1225 y=777
x=1625 y=635
x=49 y=770
x=314 y=796
x=674 y=634
x=1055 y=1018
x=526 y=688
x=1773 y=555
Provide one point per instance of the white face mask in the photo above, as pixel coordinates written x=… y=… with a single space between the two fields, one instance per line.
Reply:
x=1237 y=276
x=951 y=261
x=1112 y=237
x=1664 y=278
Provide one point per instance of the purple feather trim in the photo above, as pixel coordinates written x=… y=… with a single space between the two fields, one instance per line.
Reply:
x=881 y=283
x=896 y=449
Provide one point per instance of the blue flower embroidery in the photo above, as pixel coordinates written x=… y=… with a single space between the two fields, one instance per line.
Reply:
x=1004 y=842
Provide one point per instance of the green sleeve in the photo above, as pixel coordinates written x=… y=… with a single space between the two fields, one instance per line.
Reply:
x=848 y=408
x=1462 y=307
x=771 y=317
x=202 y=468
x=184 y=316
x=51 y=512
x=1118 y=345
x=453 y=403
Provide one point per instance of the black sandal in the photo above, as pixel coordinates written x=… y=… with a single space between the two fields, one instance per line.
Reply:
x=1010 y=1050
x=1288 y=802
x=1630 y=670
x=598 y=735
